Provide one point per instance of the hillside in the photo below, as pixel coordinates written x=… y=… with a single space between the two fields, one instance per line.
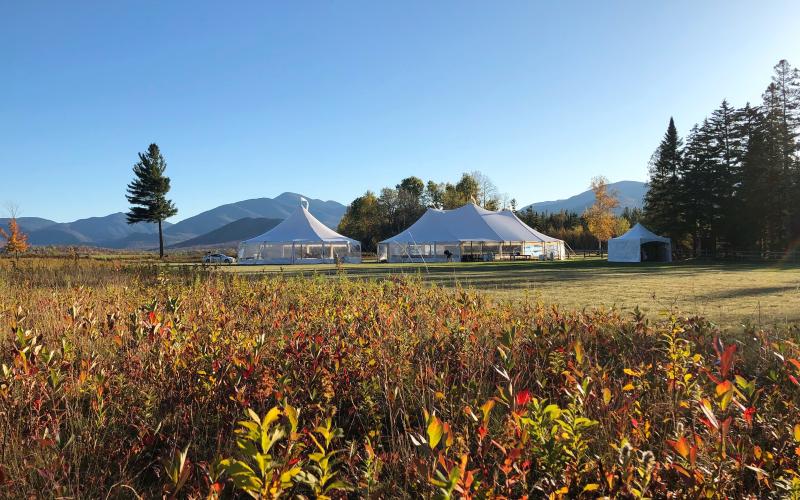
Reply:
x=27 y=224
x=328 y=212
x=232 y=233
x=113 y=231
x=630 y=194
x=96 y=231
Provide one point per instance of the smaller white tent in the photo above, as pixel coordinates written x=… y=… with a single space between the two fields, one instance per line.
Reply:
x=639 y=244
x=300 y=239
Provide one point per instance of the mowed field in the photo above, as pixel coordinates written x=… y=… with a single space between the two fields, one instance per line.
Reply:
x=730 y=294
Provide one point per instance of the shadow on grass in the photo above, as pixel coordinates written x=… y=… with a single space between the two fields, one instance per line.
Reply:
x=752 y=292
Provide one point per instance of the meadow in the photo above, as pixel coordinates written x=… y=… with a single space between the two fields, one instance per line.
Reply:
x=137 y=380
x=729 y=294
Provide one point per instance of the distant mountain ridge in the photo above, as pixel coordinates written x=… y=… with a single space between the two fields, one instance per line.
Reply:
x=93 y=231
x=328 y=212
x=232 y=233
x=27 y=224
x=630 y=194
x=213 y=226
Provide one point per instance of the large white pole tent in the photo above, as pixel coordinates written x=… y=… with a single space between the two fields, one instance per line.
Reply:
x=639 y=244
x=469 y=233
x=300 y=239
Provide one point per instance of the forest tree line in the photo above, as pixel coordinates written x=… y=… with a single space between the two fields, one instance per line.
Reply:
x=574 y=228
x=734 y=183
x=371 y=218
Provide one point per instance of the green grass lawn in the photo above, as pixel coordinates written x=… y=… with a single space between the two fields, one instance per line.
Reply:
x=729 y=294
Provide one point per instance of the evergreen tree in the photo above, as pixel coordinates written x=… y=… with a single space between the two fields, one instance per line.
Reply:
x=632 y=215
x=726 y=174
x=754 y=209
x=147 y=192
x=782 y=120
x=737 y=181
x=709 y=178
x=661 y=200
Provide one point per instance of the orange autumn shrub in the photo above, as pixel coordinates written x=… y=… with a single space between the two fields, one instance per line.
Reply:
x=16 y=242
x=118 y=380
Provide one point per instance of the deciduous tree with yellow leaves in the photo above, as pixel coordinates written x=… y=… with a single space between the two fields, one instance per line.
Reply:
x=600 y=216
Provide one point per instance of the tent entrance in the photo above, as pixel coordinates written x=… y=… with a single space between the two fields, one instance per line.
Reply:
x=655 y=251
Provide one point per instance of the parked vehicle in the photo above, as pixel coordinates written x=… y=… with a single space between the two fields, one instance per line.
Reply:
x=218 y=258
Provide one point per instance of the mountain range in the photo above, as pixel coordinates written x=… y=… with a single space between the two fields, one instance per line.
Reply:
x=232 y=233
x=216 y=226
x=328 y=212
x=233 y=222
x=629 y=193
x=111 y=231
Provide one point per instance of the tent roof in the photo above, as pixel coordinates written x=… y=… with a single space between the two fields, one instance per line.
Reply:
x=300 y=227
x=468 y=223
x=641 y=233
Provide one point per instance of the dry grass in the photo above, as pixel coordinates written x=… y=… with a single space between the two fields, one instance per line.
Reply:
x=728 y=294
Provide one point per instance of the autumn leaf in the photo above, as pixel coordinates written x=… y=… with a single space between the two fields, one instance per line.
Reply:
x=523 y=397
x=724 y=387
x=435 y=431
x=681 y=446
x=705 y=406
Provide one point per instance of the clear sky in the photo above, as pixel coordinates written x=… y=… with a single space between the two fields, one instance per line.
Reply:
x=329 y=99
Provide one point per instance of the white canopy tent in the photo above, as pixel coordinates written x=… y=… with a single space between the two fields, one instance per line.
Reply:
x=639 y=244
x=469 y=233
x=300 y=239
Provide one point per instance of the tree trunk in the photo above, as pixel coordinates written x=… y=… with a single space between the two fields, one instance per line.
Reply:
x=160 y=241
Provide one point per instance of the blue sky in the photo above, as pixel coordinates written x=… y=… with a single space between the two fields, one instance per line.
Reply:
x=330 y=99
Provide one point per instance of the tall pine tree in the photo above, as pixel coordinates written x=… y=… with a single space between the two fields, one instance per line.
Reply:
x=755 y=207
x=736 y=183
x=782 y=114
x=662 y=195
x=694 y=201
x=147 y=192
x=726 y=176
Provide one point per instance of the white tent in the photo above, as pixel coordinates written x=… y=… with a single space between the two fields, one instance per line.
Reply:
x=639 y=244
x=299 y=239
x=468 y=233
